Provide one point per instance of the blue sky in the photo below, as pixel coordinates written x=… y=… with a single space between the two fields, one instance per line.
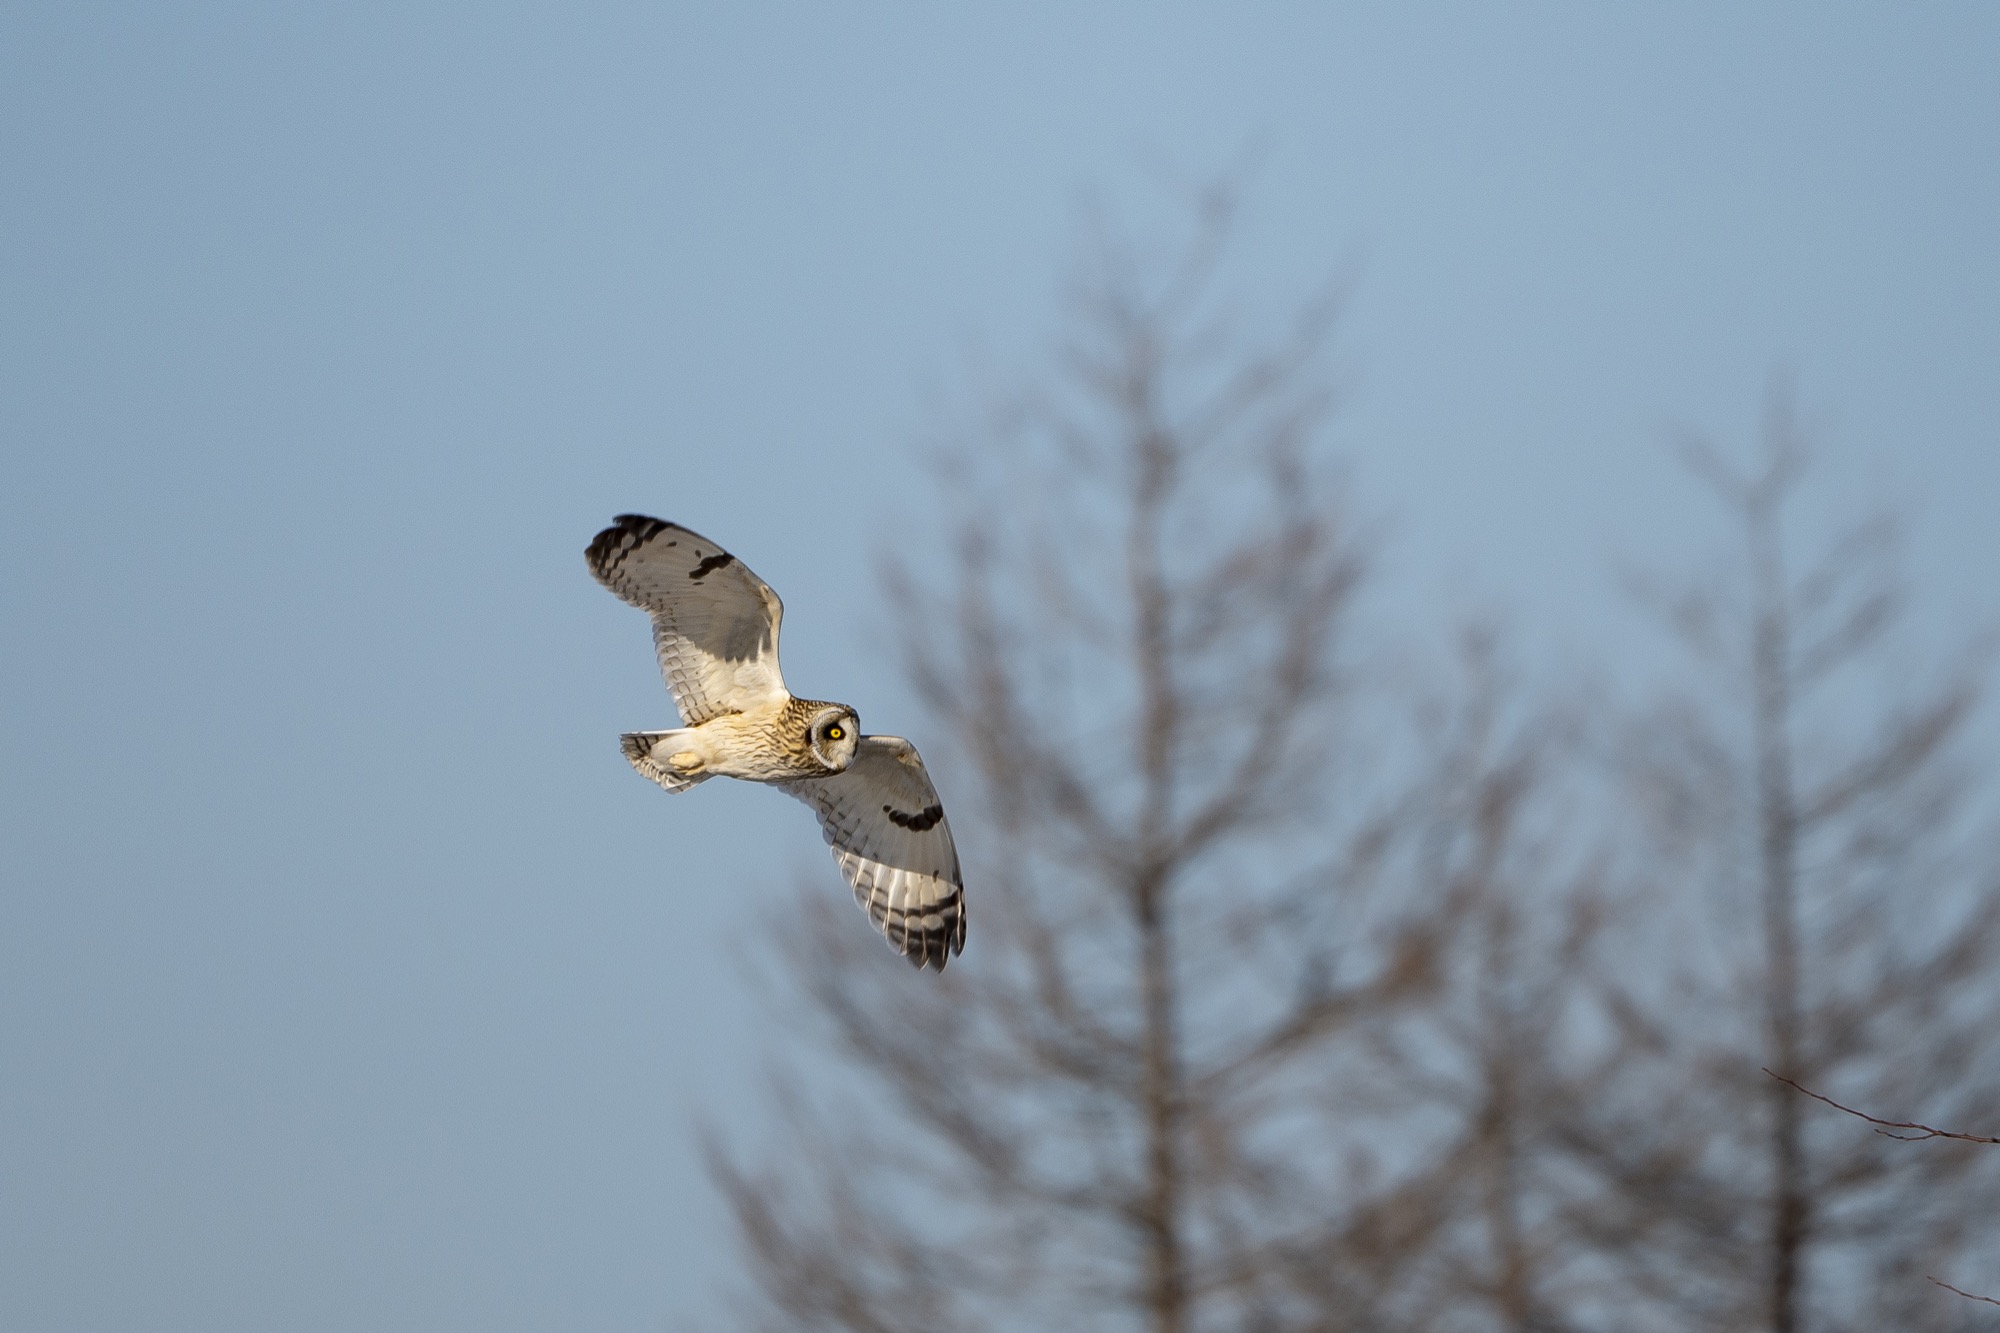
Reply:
x=348 y=979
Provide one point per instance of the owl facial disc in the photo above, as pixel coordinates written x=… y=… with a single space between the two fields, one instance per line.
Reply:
x=833 y=736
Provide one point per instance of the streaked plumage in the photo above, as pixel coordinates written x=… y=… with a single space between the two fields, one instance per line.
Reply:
x=715 y=631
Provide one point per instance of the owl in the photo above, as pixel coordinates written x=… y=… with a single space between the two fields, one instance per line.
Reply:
x=715 y=630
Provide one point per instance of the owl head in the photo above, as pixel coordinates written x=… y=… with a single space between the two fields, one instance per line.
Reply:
x=832 y=735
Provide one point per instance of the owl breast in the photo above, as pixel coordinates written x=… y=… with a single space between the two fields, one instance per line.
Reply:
x=767 y=745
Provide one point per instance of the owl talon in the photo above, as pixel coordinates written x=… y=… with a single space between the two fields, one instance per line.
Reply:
x=687 y=761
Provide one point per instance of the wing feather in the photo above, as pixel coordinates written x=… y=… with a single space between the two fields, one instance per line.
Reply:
x=715 y=624
x=882 y=818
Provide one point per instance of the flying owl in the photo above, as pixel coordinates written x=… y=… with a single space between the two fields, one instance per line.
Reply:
x=715 y=630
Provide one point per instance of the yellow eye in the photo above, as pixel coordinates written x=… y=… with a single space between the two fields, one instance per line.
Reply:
x=834 y=733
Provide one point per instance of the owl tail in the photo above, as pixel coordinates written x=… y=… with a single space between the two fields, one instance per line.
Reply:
x=650 y=751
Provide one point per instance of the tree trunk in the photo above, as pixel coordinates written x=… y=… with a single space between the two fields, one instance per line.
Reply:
x=1778 y=850
x=1166 y=1283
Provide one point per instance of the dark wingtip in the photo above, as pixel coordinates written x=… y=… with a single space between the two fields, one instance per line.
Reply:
x=930 y=950
x=627 y=531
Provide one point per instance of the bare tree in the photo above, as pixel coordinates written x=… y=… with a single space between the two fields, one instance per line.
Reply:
x=1835 y=923
x=1523 y=1053
x=1202 y=881
x=1282 y=1014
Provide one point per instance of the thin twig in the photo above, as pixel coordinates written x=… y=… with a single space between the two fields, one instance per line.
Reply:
x=1968 y=1295
x=1884 y=1127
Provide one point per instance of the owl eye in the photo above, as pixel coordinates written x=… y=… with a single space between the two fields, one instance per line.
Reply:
x=834 y=733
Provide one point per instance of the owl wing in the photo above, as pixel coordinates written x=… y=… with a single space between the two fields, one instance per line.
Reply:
x=715 y=624
x=882 y=818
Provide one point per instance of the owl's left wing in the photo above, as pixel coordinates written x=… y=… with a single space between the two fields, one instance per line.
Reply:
x=715 y=624
x=882 y=818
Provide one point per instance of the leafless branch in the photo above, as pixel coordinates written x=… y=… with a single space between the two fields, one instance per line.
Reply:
x=1887 y=1128
x=1956 y=1292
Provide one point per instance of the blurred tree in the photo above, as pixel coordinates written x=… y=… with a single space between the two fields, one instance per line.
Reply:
x=1203 y=870
x=1508 y=1054
x=1288 y=1006
x=1908 y=1131
x=1833 y=922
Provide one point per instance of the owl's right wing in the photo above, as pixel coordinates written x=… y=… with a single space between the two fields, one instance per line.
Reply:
x=882 y=818
x=715 y=624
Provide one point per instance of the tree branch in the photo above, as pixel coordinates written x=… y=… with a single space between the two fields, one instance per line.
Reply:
x=1886 y=1128
x=1955 y=1291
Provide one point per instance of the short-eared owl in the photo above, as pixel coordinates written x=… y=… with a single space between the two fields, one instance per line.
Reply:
x=715 y=628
